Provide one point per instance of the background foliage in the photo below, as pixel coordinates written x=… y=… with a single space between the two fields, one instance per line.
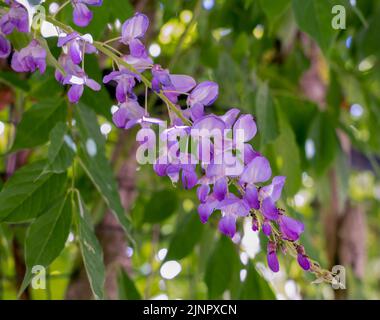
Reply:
x=315 y=93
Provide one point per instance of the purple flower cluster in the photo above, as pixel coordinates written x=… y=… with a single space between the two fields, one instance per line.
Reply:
x=234 y=195
x=237 y=187
x=15 y=19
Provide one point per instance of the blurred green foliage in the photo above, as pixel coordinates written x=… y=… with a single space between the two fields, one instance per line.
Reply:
x=259 y=54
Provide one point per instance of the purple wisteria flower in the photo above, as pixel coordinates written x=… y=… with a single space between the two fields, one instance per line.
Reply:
x=303 y=259
x=82 y=15
x=5 y=47
x=272 y=257
x=30 y=58
x=204 y=94
x=128 y=114
x=16 y=18
x=132 y=31
x=76 y=46
x=78 y=81
x=126 y=81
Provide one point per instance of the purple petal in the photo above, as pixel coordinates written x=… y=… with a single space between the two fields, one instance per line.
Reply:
x=182 y=83
x=96 y=3
x=247 y=126
x=16 y=64
x=202 y=192
x=220 y=189
x=249 y=153
x=227 y=225
x=93 y=85
x=269 y=209
x=205 y=93
x=274 y=190
x=63 y=40
x=75 y=93
x=252 y=197
x=206 y=209
x=120 y=117
x=137 y=49
x=30 y=58
x=197 y=111
x=291 y=228
x=134 y=27
x=189 y=178
x=272 y=257
x=75 y=52
x=258 y=170
x=267 y=229
x=160 y=166
x=82 y=16
x=230 y=116
x=139 y=63
x=255 y=224
x=5 y=47
x=303 y=261
x=209 y=123
x=17 y=17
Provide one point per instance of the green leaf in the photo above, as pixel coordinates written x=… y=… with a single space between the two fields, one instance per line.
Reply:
x=255 y=287
x=28 y=193
x=13 y=80
x=46 y=237
x=127 y=289
x=95 y=164
x=266 y=115
x=322 y=133
x=314 y=17
x=120 y=9
x=220 y=267
x=37 y=123
x=91 y=251
x=161 y=206
x=274 y=8
x=187 y=235
x=288 y=155
x=61 y=150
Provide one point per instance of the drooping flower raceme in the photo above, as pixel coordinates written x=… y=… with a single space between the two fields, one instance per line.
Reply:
x=76 y=45
x=204 y=151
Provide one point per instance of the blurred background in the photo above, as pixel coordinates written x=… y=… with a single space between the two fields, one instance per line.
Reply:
x=315 y=93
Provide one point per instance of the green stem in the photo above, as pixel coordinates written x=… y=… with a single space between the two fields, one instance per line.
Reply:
x=61 y=7
x=50 y=58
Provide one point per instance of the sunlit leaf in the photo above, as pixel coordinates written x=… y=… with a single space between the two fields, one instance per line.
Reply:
x=61 y=150
x=37 y=122
x=91 y=251
x=314 y=17
x=47 y=236
x=94 y=162
x=187 y=234
x=127 y=289
x=220 y=266
x=28 y=193
x=255 y=287
x=161 y=206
